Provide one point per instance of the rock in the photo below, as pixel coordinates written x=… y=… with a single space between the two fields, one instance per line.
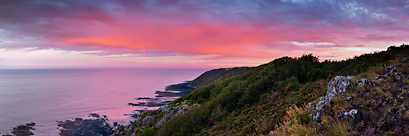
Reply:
x=309 y=106
x=381 y=80
x=392 y=110
x=349 y=99
x=347 y=114
x=362 y=82
x=353 y=112
x=78 y=126
x=160 y=123
x=147 y=119
x=318 y=115
x=380 y=100
x=138 y=104
x=390 y=69
x=24 y=130
x=404 y=60
x=164 y=108
x=144 y=98
x=340 y=115
x=94 y=115
x=180 y=111
x=130 y=129
x=273 y=133
x=401 y=112
x=337 y=85
x=135 y=116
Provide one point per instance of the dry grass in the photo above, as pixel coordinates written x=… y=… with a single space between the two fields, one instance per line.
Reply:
x=377 y=92
x=407 y=114
x=378 y=69
x=330 y=126
x=336 y=127
x=406 y=81
x=388 y=95
x=292 y=124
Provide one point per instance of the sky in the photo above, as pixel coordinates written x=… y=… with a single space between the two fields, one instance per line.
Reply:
x=193 y=33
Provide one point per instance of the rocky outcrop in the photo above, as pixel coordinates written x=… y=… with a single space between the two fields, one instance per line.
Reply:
x=96 y=126
x=147 y=119
x=376 y=108
x=391 y=71
x=163 y=114
x=336 y=86
x=23 y=130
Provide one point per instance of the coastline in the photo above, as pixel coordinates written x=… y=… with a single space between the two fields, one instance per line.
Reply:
x=143 y=104
x=171 y=93
x=100 y=123
x=147 y=90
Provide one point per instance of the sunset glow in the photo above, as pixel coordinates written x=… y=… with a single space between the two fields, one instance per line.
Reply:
x=193 y=34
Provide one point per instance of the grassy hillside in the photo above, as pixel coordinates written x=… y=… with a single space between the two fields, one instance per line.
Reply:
x=217 y=75
x=257 y=100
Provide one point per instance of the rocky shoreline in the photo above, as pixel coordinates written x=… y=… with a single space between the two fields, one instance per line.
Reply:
x=98 y=124
x=171 y=92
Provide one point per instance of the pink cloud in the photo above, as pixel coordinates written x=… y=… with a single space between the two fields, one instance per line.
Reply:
x=245 y=29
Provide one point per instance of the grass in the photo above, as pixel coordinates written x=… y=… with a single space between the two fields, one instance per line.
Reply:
x=296 y=122
x=273 y=96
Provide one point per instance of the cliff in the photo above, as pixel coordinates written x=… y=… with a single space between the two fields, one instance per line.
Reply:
x=364 y=95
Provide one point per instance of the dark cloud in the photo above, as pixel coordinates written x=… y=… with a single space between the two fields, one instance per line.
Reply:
x=49 y=22
x=247 y=12
x=32 y=11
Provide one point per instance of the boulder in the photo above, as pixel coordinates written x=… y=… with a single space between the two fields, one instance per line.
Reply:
x=336 y=86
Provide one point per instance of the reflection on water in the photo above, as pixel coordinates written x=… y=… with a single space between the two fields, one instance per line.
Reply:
x=46 y=96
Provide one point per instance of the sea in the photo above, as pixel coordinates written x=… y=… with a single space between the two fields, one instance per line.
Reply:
x=45 y=96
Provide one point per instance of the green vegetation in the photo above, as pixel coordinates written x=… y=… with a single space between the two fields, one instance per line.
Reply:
x=257 y=100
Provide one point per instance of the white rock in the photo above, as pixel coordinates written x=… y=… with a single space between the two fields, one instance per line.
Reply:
x=336 y=86
x=274 y=133
x=362 y=82
x=353 y=112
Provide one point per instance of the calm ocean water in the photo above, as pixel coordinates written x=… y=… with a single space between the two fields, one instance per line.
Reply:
x=45 y=96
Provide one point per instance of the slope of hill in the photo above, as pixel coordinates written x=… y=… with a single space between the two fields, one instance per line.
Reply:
x=291 y=96
x=216 y=75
